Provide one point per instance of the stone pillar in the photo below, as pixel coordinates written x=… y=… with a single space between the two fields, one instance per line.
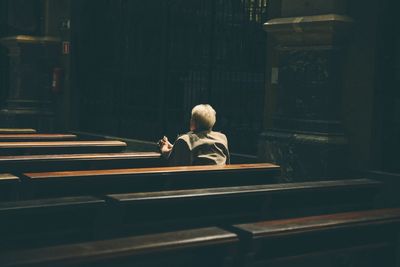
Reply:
x=31 y=63
x=304 y=129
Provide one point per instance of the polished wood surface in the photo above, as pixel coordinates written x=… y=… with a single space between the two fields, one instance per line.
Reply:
x=367 y=238
x=60 y=147
x=86 y=156
x=37 y=137
x=241 y=190
x=158 y=170
x=244 y=245
x=16 y=131
x=7 y=177
x=87 y=161
x=320 y=223
x=54 y=144
x=149 y=245
x=138 y=213
x=62 y=202
x=224 y=206
x=52 y=184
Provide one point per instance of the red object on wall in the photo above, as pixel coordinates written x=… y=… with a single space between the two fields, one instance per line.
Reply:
x=66 y=47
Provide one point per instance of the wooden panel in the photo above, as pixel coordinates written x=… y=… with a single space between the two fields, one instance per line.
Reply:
x=224 y=206
x=7 y=177
x=62 y=162
x=319 y=223
x=165 y=170
x=9 y=186
x=16 y=131
x=151 y=179
x=199 y=247
x=54 y=147
x=35 y=222
x=37 y=137
x=364 y=238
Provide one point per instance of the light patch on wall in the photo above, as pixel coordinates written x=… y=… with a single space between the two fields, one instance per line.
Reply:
x=274 y=75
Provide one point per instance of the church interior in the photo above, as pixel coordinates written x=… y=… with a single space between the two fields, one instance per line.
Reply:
x=304 y=90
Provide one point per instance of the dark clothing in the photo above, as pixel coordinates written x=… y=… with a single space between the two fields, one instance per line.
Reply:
x=200 y=148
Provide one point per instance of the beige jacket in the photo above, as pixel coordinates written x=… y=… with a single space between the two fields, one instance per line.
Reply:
x=200 y=148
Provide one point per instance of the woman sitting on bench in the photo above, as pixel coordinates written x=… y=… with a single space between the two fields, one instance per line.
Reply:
x=200 y=146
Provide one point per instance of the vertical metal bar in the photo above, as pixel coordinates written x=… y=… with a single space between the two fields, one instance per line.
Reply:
x=3 y=57
x=164 y=67
x=46 y=18
x=212 y=41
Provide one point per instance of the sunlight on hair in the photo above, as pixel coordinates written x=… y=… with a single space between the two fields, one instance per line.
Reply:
x=204 y=116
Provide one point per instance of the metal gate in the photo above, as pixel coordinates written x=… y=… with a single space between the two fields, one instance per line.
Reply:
x=140 y=66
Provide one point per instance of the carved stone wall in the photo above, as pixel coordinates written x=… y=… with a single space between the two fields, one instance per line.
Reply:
x=31 y=50
x=306 y=134
x=29 y=102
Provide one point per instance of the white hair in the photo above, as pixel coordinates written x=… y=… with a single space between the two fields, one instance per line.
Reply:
x=203 y=117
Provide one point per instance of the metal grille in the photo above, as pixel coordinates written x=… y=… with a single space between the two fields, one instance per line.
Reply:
x=3 y=52
x=142 y=65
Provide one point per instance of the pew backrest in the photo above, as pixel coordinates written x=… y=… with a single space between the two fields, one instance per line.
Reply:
x=60 y=147
x=64 y=220
x=139 y=213
x=150 y=179
x=363 y=238
x=146 y=212
x=198 y=247
x=23 y=223
x=16 y=131
x=86 y=161
x=36 y=137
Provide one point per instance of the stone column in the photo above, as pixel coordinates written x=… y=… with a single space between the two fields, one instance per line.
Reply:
x=31 y=63
x=304 y=127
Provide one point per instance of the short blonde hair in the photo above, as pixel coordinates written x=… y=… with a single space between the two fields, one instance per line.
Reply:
x=203 y=117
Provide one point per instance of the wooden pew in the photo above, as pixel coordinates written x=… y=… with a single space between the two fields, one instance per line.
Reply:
x=87 y=161
x=16 y=131
x=62 y=219
x=359 y=239
x=171 y=210
x=60 y=147
x=10 y=187
x=50 y=184
x=199 y=247
x=49 y=221
x=36 y=137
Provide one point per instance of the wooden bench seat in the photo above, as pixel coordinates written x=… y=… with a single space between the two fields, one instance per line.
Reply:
x=36 y=137
x=169 y=210
x=87 y=161
x=360 y=239
x=199 y=247
x=35 y=222
x=60 y=147
x=16 y=131
x=149 y=179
